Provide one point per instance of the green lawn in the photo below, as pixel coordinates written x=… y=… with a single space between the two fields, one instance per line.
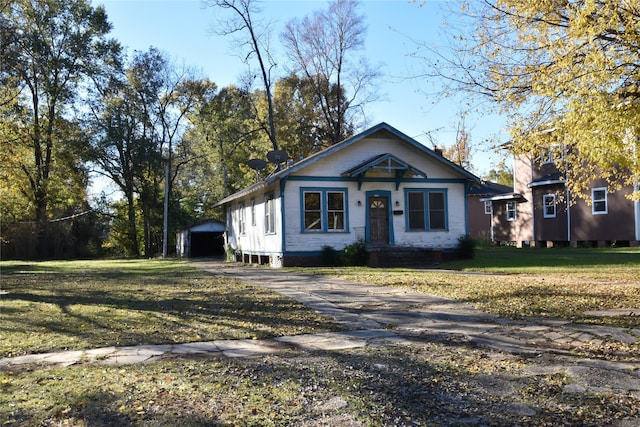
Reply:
x=81 y=304
x=51 y=306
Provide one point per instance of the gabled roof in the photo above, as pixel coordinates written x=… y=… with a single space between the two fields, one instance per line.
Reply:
x=379 y=128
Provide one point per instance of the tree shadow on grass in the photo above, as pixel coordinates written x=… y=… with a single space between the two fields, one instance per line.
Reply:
x=128 y=313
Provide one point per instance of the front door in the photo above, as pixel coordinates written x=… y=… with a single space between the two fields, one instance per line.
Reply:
x=379 y=220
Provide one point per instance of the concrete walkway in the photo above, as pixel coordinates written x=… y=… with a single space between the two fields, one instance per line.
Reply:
x=413 y=314
x=378 y=316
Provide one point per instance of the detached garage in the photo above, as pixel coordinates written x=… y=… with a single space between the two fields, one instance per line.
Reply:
x=204 y=239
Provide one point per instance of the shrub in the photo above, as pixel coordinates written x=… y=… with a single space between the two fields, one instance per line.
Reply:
x=466 y=247
x=330 y=257
x=355 y=254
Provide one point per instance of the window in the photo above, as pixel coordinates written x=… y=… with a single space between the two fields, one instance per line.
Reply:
x=323 y=210
x=547 y=156
x=437 y=218
x=416 y=210
x=426 y=210
x=599 y=201
x=553 y=153
x=313 y=211
x=242 y=219
x=488 y=207
x=335 y=210
x=549 y=201
x=511 y=211
x=253 y=212
x=269 y=214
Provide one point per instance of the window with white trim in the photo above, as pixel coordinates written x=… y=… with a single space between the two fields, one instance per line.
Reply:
x=242 y=219
x=552 y=154
x=323 y=210
x=549 y=202
x=253 y=212
x=488 y=207
x=599 y=204
x=269 y=214
x=512 y=211
x=426 y=210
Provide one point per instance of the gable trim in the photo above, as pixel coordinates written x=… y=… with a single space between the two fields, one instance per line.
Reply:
x=376 y=179
x=281 y=174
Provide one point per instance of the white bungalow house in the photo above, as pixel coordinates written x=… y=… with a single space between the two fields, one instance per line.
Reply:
x=380 y=186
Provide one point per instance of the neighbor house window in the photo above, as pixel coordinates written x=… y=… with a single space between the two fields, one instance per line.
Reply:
x=488 y=207
x=547 y=156
x=599 y=200
x=511 y=211
x=552 y=154
x=242 y=219
x=323 y=210
x=549 y=201
x=426 y=210
x=269 y=214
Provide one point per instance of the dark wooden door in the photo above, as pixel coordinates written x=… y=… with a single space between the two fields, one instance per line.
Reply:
x=379 y=220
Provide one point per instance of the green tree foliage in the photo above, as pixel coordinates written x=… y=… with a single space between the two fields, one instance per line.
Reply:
x=51 y=49
x=139 y=122
x=502 y=174
x=299 y=118
x=565 y=72
x=225 y=135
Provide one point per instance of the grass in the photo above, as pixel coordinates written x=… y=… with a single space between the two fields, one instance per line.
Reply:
x=52 y=306
x=57 y=305
x=422 y=384
x=522 y=283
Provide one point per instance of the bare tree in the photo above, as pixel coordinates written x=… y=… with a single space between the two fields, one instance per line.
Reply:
x=460 y=151
x=321 y=47
x=256 y=45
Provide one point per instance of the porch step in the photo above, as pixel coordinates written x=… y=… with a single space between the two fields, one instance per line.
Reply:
x=399 y=256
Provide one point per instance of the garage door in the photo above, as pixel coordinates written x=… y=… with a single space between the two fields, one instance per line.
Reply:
x=206 y=244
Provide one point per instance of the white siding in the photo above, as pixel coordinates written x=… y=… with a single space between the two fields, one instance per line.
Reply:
x=254 y=240
x=334 y=166
x=296 y=240
x=325 y=173
x=365 y=149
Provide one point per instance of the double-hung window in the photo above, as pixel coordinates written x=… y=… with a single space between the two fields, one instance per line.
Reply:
x=324 y=209
x=426 y=209
x=549 y=202
x=242 y=219
x=599 y=201
x=488 y=207
x=253 y=212
x=512 y=211
x=269 y=214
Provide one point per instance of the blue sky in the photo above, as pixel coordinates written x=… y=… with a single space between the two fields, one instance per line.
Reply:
x=185 y=31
